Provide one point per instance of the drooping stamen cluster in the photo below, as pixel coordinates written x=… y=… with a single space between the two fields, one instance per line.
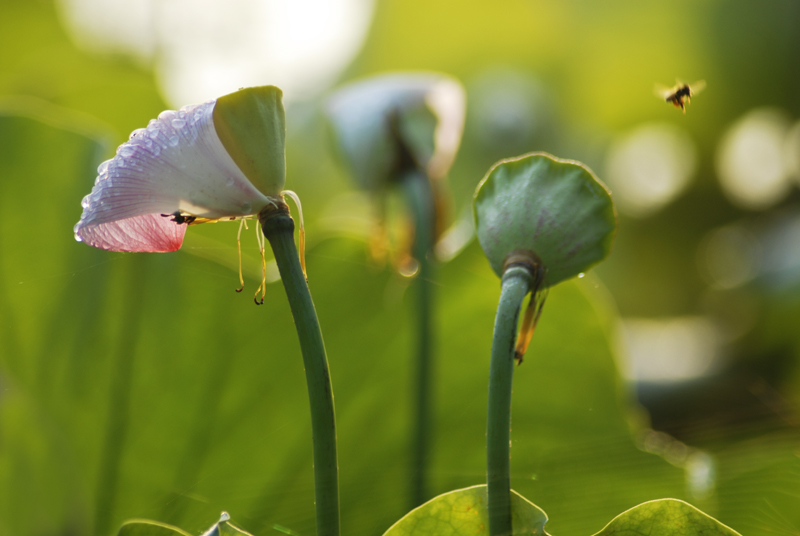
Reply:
x=529 y=322
x=302 y=233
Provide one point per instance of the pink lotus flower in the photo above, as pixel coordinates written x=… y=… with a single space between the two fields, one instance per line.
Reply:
x=220 y=160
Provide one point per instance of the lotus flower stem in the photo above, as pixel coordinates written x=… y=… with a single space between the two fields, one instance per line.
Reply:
x=278 y=228
x=517 y=282
x=419 y=196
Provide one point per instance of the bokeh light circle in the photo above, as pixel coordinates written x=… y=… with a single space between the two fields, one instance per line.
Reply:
x=750 y=159
x=649 y=167
x=729 y=256
x=202 y=49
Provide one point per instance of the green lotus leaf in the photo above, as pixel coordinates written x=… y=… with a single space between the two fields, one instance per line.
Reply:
x=251 y=123
x=665 y=517
x=147 y=527
x=555 y=208
x=463 y=512
x=380 y=121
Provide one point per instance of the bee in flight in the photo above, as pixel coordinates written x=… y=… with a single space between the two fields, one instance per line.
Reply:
x=680 y=94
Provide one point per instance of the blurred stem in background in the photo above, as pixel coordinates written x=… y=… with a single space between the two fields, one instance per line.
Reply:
x=419 y=196
x=200 y=440
x=403 y=130
x=119 y=406
x=278 y=228
x=516 y=284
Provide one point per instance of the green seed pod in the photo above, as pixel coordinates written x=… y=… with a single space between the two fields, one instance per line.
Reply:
x=552 y=212
x=251 y=124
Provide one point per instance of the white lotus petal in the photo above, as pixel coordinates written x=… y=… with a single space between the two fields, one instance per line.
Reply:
x=176 y=165
x=448 y=101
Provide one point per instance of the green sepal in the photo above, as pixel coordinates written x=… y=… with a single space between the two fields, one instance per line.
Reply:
x=555 y=208
x=463 y=512
x=251 y=123
x=665 y=517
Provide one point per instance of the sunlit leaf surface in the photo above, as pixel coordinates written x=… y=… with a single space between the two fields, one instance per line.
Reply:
x=666 y=517
x=463 y=512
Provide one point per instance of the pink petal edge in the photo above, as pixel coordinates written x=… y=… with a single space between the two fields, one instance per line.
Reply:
x=150 y=233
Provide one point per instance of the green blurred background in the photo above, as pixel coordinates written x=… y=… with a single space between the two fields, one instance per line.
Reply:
x=139 y=385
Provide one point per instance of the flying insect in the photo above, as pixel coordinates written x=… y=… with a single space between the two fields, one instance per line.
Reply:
x=680 y=94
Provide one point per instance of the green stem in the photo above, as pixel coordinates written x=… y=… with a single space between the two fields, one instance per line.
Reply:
x=278 y=228
x=419 y=195
x=516 y=284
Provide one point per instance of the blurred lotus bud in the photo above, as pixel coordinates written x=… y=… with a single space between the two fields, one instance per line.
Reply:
x=386 y=124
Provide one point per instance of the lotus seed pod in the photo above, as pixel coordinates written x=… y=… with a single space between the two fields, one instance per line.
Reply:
x=251 y=124
x=552 y=211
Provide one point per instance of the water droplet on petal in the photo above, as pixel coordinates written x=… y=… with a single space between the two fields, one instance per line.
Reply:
x=174 y=140
x=156 y=150
x=178 y=123
x=137 y=132
x=166 y=115
x=103 y=168
x=126 y=150
x=85 y=202
x=229 y=182
x=225 y=516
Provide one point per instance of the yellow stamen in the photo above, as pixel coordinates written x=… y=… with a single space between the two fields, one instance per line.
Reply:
x=403 y=260
x=379 y=236
x=239 y=248
x=378 y=243
x=261 y=246
x=529 y=322
x=302 y=233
